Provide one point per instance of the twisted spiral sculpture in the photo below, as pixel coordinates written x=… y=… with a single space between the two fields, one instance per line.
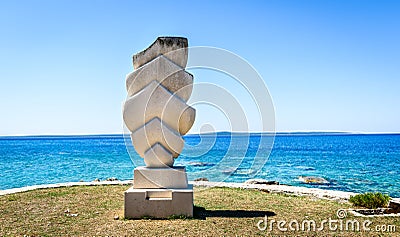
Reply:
x=156 y=112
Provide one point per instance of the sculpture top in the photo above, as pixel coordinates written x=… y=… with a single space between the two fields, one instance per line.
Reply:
x=174 y=48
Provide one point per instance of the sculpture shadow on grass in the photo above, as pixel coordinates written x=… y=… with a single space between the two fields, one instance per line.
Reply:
x=201 y=213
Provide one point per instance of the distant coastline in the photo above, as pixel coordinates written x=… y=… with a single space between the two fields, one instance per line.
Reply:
x=294 y=133
x=220 y=133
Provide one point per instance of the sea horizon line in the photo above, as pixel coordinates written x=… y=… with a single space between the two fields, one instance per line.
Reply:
x=279 y=133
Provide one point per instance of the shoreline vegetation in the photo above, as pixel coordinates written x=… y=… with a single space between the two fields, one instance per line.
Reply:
x=97 y=210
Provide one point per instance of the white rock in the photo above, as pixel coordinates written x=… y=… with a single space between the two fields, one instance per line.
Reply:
x=313 y=180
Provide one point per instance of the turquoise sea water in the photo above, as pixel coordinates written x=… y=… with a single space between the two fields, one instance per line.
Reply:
x=357 y=163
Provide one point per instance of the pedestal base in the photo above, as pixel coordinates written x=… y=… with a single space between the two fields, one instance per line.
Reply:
x=158 y=203
x=170 y=177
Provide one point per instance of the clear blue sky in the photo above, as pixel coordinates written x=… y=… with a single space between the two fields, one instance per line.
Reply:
x=329 y=65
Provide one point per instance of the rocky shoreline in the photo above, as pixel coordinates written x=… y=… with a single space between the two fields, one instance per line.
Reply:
x=270 y=188
x=283 y=189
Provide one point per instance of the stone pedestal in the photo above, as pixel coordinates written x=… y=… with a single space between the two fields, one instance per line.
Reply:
x=160 y=193
x=159 y=203
x=160 y=177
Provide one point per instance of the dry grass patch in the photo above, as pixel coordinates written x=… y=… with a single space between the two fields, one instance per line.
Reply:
x=219 y=212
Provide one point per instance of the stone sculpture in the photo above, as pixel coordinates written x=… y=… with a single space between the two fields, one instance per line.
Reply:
x=157 y=115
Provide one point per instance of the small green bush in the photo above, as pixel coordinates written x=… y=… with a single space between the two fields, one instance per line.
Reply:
x=370 y=200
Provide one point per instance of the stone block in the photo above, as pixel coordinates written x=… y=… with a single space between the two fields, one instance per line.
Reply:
x=159 y=203
x=155 y=178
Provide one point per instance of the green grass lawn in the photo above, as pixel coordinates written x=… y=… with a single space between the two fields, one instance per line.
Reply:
x=219 y=212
